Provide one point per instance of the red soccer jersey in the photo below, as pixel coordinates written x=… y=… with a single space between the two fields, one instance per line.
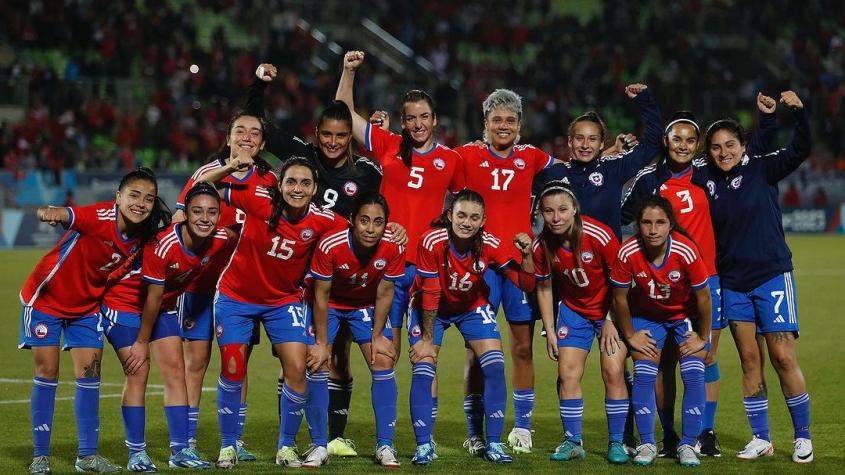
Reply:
x=583 y=289
x=71 y=279
x=505 y=185
x=692 y=210
x=267 y=266
x=415 y=195
x=166 y=262
x=230 y=216
x=662 y=292
x=461 y=278
x=354 y=282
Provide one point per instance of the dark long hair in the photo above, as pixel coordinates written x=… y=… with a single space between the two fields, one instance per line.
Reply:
x=225 y=150
x=590 y=116
x=551 y=242
x=277 y=200
x=681 y=117
x=337 y=110
x=730 y=125
x=406 y=148
x=201 y=188
x=657 y=201
x=364 y=199
x=443 y=221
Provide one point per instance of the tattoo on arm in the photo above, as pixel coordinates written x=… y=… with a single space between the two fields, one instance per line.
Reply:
x=93 y=370
x=427 y=324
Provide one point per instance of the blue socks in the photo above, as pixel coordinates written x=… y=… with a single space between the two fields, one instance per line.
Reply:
x=757 y=410
x=617 y=412
x=495 y=393
x=799 y=409
x=41 y=408
x=571 y=414
x=384 y=395
x=434 y=408
x=291 y=408
x=692 y=406
x=643 y=400
x=133 y=426
x=474 y=412
x=241 y=420
x=317 y=407
x=711 y=375
x=86 y=406
x=421 y=401
x=228 y=406
x=523 y=407
x=193 y=421
x=177 y=424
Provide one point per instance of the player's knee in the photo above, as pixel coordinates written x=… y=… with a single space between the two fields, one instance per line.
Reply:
x=233 y=362
x=521 y=352
x=196 y=365
x=710 y=359
x=784 y=361
x=294 y=372
x=613 y=376
x=47 y=370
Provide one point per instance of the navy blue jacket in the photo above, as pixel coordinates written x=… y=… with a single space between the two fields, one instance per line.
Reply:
x=649 y=180
x=750 y=244
x=598 y=184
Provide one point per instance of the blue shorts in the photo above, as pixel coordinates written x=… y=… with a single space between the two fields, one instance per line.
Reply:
x=360 y=323
x=660 y=329
x=235 y=322
x=773 y=306
x=122 y=336
x=401 y=297
x=506 y=294
x=477 y=324
x=196 y=316
x=42 y=329
x=719 y=321
x=575 y=331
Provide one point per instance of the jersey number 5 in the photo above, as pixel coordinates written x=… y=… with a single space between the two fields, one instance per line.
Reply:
x=416 y=177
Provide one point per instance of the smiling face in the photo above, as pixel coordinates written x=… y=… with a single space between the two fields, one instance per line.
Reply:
x=467 y=217
x=585 y=141
x=419 y=120
x=247 y=135
x=136 y=199
x=726 y=149
x=368 y=225
x=203 y=212
x=502 y=126
x=334 y=136
x=654 y=227
x=298 y=186
x=681 y=143
x=558 y=210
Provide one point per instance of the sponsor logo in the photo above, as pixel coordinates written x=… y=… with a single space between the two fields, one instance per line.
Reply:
x=379 y=264
x=596 y=178
x=586 y=257
x=484 y=164
x=519 y=163
x=40 y=330
x=350 y=188
x=42 y=428
x=415 y=330
x=439 y=163
x=563 y=332
x=674 y=276
x=642 y=274
x=344 y=266
x=736 y=182
x=306 y=234
x=219 y=331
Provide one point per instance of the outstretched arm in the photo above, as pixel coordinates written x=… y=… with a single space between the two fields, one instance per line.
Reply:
x=352 y=60
x=761 y=142
x=780 y=164
x=53 y=215
x=642 y=153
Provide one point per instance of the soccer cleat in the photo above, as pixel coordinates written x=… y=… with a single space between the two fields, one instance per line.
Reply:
x=520 y=441
x=140 y=462
x=687 y=456
x=192 y=443
x=340 y=447
x=244 y=455
x=803 y=451
x=669 y=446
x=187 y=458
x=629 y=442
x=315 y=456
x=424 y=455
x=227 y=459
x=40 y=465
x=287 y=457
x=616 y=453
x=756 y=448
x=568 y=450
x=495 y=452
x=194 y=452
x=95 y=464
x=386 y=456
x=646 y=453
x=708 y=445
x=475 y=445
x=433 y=448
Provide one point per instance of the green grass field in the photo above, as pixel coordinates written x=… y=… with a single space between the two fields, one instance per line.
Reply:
x=820 y=264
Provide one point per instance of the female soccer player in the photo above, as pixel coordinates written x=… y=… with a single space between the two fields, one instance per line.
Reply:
x=246 y=135
x=354 y=273
x=577 y=253
x=140 y=312
x=502 y=172
x=450 y=289
x=62 y=295
x=755 y=266
x=669 y=293
x=263 y=282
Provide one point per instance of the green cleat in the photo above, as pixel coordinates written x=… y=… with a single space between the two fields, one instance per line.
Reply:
x=95 y=464
x=227 y=458
x=569 y=450
x=287 y=457
x=340 y=447
x=520 y=441
x=616 y=453
x=40 y=465
x=244 y=455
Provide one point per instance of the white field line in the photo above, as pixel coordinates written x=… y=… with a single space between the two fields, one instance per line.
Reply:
x=158 y=387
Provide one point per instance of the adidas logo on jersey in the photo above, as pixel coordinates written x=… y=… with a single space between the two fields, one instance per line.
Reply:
x=780 y=319
x=42 y=428
x=694 y=411
x=175 y=265
x=484 y=164
x=344 y=267
x=642 y=274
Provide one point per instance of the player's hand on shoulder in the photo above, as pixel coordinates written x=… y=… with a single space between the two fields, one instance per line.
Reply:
x=791 y=100
x=633 y=90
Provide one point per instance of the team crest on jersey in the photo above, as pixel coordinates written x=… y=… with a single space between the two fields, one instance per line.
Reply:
x=439 y=163
x=306 y=234
x=205 y=260
x=379 y=264
x=478 y=266
x=519 y=163
x=219 y=331
x=415 y=330
x=189 y=324
x=134 y=249
x=350 y=188
x=711 y=187
x=736 y=182
x=586 y=257
x=40 y=330
x=674 y=276
x=563 y=332
x=596 y=178
x=310 y=330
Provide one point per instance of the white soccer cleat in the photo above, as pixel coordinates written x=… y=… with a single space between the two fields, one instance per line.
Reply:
x=316 y=456
x=756 y=448
x=803 y=451
x=646 y=453
x=475 y=445
x=520 y=440
x=386 y=457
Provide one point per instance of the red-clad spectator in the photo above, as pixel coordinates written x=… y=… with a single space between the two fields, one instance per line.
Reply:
x=820 y=200
x=792 y=199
